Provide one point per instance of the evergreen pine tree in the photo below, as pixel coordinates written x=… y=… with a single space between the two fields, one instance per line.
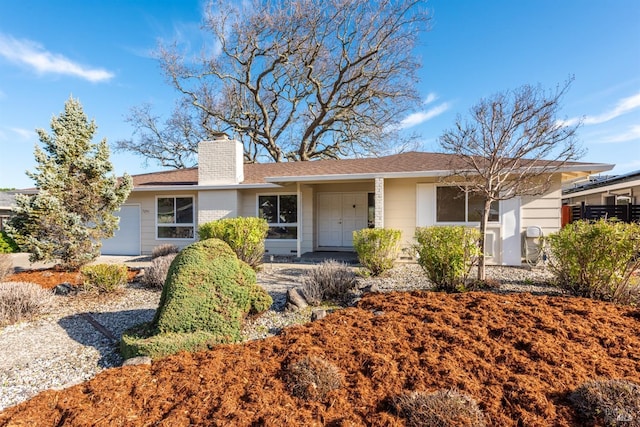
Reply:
x=77 y=194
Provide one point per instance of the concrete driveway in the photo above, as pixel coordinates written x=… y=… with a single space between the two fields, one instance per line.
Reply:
x=21 y=261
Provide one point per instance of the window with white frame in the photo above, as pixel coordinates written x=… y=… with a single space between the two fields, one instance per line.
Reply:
x=456 y=205
x=281 y=212
x=175 y=217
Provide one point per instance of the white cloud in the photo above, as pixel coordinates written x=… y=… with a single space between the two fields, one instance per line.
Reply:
x=623 y=106
x=423 y=116
x=35 y=56
x=23 y=133
x=430 y=98
x=632 y=133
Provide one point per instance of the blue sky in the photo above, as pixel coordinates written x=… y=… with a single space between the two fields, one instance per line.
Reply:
x=100 y=52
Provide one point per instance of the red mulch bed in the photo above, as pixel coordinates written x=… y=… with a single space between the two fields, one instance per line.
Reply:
x=519 y=356
x=49 y=278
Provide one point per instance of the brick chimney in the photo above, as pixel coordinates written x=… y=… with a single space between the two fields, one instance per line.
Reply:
x=220 y=161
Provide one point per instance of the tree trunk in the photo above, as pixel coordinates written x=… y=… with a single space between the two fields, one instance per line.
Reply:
x=483 y=232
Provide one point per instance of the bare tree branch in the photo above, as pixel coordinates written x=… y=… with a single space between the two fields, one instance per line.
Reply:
x=173 y=143
x=298 y=79
x=511 y=145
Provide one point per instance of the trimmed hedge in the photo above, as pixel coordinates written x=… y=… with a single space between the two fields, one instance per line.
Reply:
x=245 y=236
x=446 y=254
x=207 y=294
x=597 y=260
x=377 y=248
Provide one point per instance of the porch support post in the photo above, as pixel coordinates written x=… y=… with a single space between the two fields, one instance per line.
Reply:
x=379 y=203
x=300 y=219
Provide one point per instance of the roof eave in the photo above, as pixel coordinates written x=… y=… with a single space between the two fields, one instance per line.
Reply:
x=586 y=168
x=203 y=187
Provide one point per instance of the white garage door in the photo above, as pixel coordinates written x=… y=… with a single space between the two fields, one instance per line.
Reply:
x=126 y=240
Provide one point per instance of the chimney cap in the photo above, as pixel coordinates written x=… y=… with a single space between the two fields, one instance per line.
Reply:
x=219 y=135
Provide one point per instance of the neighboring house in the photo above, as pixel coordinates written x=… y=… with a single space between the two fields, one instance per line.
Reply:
x=603 y=197
x=7 y=204
x=316 y=205
x=610 y=190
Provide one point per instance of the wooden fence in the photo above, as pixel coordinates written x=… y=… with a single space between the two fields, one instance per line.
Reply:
x=626 y=213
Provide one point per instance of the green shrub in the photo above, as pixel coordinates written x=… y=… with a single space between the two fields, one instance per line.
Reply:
x=162 y=250
x=21 y=301
x=245 y=235
x=206 y=296
x=6 y=265
x=616 y=402
x=7 y=244
x=447 y=254
x=329 y=280
x=597 y=259
x=442 y=408
x=311 y=378
x=104 y=278
x=377 y=248
x=156 y=273
x=143 y=340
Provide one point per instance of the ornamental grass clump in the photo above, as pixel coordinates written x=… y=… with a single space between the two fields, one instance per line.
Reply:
x=6 y=265
x=312 y=378
x=163 y=250
x=597 y=260
x=156 y=274
x=22 y=301
x=447 y=254
x=377 y=248
x=104 y=278
x=329 y=280
x=443 y=408
x=616 y=402
x=245 y=235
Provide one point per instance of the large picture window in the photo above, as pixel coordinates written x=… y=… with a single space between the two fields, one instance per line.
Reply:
x=281 y=212
x=175 y=217
x=455 y=205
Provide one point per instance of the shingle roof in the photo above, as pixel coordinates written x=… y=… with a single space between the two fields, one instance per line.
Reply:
x=7 y=200
x=257 y=173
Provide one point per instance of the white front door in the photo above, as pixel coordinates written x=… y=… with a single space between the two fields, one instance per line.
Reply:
x=339 y=215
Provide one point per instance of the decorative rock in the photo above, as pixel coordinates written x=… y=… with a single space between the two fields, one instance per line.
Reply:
x=318 y=314
x=295 y=301
x=63 y=289
x=371 y=288
x=140 y=360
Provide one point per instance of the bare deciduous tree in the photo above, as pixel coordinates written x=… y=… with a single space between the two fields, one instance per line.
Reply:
x=173 y=143
x=511 y=146
x=295 y=79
